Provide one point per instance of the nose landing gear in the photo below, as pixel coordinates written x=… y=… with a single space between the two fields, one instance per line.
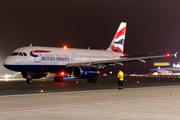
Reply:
x=94 y=80
x=29 y=79
x=58 y=79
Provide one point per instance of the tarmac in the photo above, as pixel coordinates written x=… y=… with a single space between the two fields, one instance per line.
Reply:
x=142 y=98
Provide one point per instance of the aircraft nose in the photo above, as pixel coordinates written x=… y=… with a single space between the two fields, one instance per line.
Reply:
x=8 y=61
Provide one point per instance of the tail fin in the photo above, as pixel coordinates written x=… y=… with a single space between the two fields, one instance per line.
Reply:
x=117 y=44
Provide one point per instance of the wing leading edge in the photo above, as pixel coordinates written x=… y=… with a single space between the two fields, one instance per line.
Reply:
x=118 y=61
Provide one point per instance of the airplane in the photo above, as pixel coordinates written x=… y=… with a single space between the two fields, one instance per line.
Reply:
x=35 y=61
x=165 y=68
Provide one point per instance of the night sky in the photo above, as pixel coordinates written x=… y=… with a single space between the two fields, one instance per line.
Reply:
x=152 y=25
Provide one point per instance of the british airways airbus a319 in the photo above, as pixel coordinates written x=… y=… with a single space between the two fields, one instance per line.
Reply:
x=35 y=62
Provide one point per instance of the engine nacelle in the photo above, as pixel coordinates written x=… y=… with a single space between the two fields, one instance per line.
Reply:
x=83 y=72
x=34 y=75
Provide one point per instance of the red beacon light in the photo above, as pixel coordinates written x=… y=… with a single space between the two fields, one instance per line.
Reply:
x=168 y=55
x=65 y=47
x=62 y=73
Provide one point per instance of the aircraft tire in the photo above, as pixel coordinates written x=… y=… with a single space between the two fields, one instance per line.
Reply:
x=56 y=79
x=89 y=80
x=94 y=80
x=60 y=79
x=29 y=81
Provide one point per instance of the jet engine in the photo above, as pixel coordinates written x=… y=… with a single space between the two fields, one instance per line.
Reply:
x=83 y=72
x=34 y=75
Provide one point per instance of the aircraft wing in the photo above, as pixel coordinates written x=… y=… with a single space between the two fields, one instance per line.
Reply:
x=118 y=61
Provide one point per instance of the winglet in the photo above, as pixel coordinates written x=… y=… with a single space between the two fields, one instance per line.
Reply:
x=175 y=55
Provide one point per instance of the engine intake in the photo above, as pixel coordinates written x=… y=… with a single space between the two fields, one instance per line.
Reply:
x=83 y=72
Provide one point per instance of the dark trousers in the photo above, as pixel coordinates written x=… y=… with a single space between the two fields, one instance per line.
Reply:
x=120 y=83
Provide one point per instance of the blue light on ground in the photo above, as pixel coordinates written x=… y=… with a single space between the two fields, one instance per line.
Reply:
x=66 y=78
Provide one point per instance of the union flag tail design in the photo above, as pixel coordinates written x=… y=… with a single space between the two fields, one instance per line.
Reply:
x=117 y=44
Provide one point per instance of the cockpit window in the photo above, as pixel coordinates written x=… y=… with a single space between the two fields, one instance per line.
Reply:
x=18 y=54
x=14 y=54
x=24 y=54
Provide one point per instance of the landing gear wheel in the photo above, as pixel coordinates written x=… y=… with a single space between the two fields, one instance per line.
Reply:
x=58 y=79
x=29 y=81
x=94 y=80
x=89 y=80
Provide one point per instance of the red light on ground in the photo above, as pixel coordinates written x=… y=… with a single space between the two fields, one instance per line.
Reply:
x=168 y=55
x=65 y=47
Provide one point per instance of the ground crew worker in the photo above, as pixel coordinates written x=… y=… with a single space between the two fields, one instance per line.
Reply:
x=120 y=77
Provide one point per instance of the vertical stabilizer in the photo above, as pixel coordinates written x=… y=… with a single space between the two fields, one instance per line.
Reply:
x=117 y=44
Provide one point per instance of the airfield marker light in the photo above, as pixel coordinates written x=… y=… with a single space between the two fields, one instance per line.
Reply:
x=125 y=80
x=42 y=91
x=159 y=79
x=168 y=55
x=76 y=81
x=137 y=81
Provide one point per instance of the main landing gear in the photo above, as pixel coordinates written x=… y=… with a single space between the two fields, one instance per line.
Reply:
x=29 y=79
x=58 y=79
x=94 y=80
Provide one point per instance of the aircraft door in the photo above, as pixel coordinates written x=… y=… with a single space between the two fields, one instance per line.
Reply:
x=73 y=58
x=36 y=54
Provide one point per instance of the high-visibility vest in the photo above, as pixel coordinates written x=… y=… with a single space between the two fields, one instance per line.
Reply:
x=121 y=76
